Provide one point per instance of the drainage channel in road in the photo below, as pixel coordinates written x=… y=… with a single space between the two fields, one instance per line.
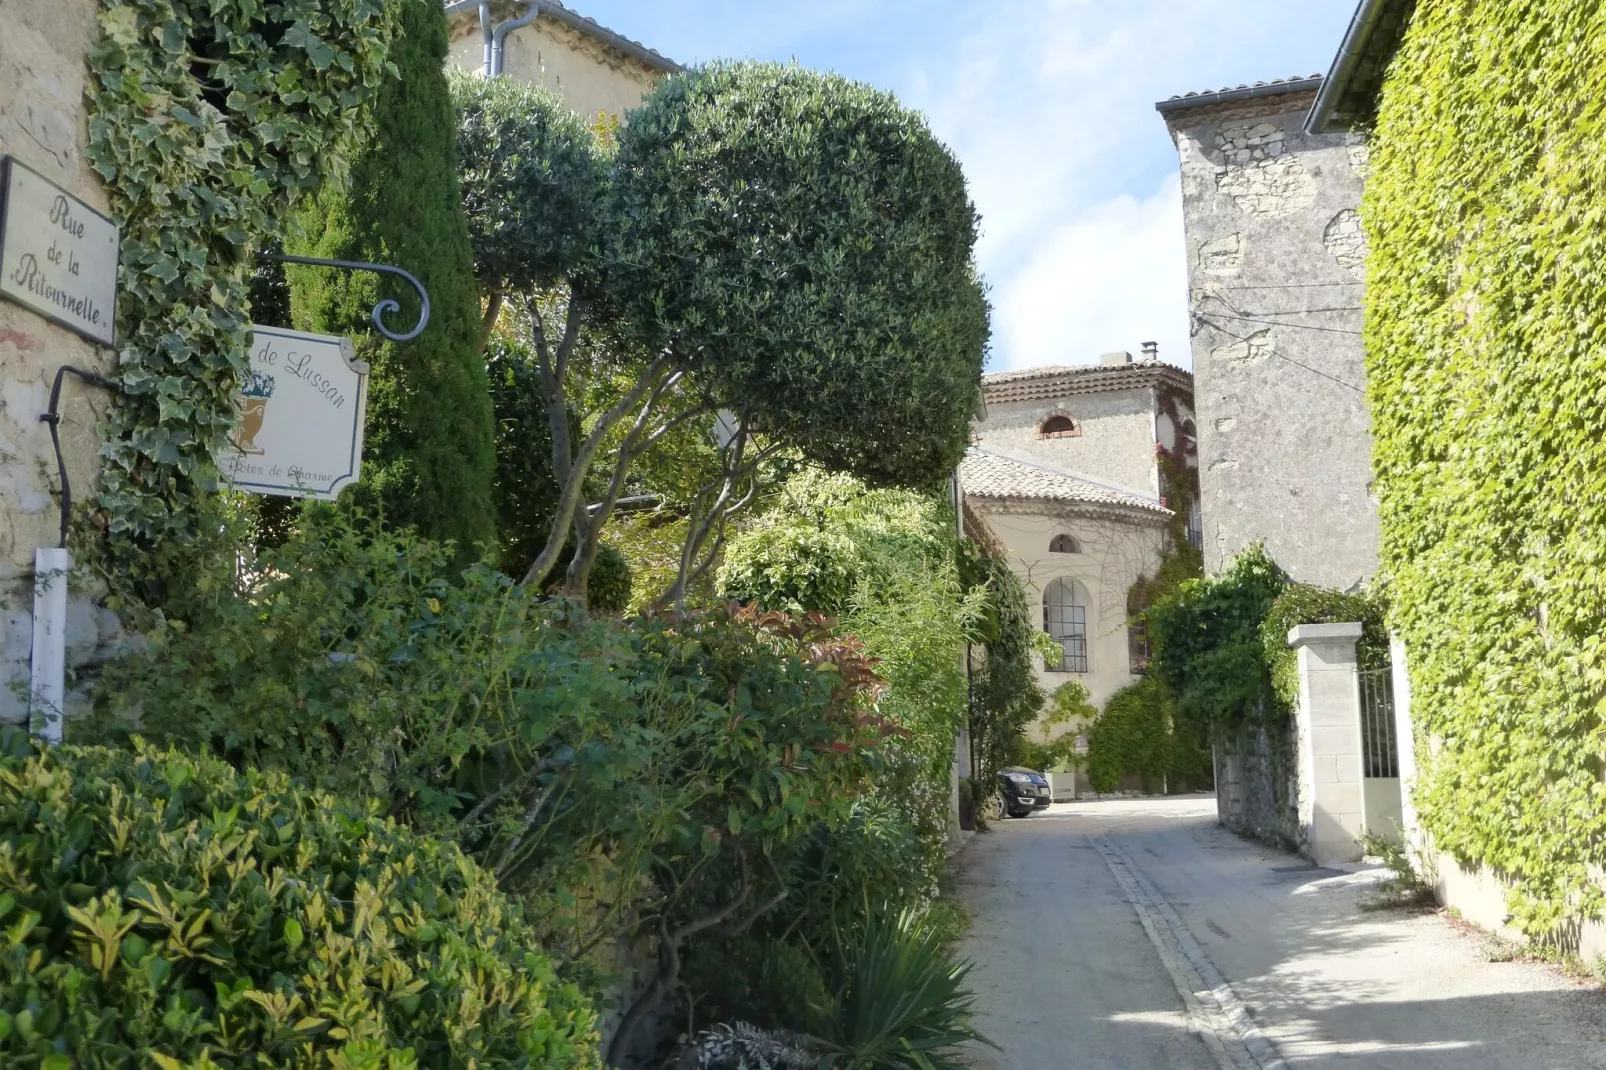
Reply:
x=1220 y=1018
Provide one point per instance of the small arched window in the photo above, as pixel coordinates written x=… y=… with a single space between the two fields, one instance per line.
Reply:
x=1058 y=425
x=1065 y=621
x=1190 y=435
x=1064 y=544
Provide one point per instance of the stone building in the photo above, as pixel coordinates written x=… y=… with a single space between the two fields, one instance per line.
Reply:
x=42 y=126
x=1067 y=470
x=595 y=70
x=1276 y=265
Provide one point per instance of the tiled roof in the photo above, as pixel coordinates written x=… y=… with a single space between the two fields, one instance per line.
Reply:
x=651 y=57
x=1038 y=384
x=986 y=474
x=554 y=9
x=1250 y=90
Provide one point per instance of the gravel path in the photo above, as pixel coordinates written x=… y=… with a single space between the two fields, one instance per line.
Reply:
x=1138 y=933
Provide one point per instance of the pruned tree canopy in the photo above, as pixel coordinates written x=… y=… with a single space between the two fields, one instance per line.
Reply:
x=804 y=243
x=788 y=247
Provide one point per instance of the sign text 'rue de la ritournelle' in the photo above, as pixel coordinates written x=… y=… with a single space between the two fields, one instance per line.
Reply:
x=301 y=409
x=58 y=256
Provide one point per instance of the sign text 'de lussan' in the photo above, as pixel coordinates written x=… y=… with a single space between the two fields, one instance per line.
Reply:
x=301 y=410
x=58 y=256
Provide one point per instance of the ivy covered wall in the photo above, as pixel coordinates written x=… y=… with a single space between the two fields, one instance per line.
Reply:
x=1486 y=373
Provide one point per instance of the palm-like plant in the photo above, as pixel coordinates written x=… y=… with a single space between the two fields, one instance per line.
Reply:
x=902 y=1002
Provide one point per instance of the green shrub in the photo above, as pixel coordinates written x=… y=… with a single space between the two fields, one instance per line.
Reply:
x=902 y=1002
x=1130 y=737
x=1207 y=646
x=1301 y=603
x=611 y=581
x=162 y=910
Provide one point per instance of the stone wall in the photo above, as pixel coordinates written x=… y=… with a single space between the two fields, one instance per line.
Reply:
x=1115 y=443
x=42 y=124
x=1257 y=784
x=1275 y=263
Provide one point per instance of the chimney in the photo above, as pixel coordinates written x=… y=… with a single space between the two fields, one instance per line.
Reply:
x=1116 y=359
x=1151 y=350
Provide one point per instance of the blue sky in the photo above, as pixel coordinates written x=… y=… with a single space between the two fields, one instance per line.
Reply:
x=1049 y=104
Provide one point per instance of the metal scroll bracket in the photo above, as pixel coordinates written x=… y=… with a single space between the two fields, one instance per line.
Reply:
x=385 y=305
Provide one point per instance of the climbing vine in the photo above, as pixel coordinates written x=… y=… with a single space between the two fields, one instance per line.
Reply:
x=1486 y=378
x=208 y=120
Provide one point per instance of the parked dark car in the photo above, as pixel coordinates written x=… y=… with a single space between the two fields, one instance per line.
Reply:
x=1023 y=791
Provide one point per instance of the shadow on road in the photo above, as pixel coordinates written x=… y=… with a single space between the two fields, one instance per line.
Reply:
x=1067 y=975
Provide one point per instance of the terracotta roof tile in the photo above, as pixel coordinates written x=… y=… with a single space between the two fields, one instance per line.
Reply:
x=987 y=474
x=1038 y=384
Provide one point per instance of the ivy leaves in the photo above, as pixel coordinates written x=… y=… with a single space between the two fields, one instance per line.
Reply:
x=208 y=120
x=1485 y=335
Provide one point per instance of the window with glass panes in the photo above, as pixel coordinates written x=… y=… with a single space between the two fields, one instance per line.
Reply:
x=1065 y=621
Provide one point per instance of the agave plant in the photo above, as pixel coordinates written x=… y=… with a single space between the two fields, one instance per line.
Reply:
x=902 y=1003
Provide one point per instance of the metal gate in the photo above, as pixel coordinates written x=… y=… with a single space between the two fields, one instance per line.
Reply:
x=1380 y=752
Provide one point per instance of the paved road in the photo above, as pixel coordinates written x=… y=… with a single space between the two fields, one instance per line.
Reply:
x=1140 y=935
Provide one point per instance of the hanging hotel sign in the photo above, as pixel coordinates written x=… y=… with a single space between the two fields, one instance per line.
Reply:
x=58 y=256
x=301 y=410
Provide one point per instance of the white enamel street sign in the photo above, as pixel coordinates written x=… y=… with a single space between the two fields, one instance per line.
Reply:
x=58 y=256
x=301 y=414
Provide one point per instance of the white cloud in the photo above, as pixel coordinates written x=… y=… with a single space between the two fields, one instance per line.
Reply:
x=1111 y=277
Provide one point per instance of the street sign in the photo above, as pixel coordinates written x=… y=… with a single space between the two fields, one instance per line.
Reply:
x=58 y=256
x=301 y=411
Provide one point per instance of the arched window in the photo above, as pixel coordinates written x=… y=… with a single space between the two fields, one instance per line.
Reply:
x=1064 y=544
x=1058 y=425
x=1065 y=621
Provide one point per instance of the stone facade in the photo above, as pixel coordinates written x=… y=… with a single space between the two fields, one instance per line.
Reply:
x=1097 y=481
x=42 y=124
x=1276 y=261
x=575 y=62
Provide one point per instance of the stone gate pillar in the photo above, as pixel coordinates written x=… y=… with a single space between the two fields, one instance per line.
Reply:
x=1332 y=807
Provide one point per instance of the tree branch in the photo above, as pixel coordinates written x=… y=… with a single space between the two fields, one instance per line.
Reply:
x=574 y=484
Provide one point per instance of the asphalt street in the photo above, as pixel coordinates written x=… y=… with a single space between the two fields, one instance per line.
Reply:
x=1140 y=934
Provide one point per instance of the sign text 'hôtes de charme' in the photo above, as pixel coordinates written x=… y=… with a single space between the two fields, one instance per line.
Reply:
x=301 y=412
x=58 y=256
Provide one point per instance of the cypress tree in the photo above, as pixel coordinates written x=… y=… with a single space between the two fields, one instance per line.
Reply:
x=429 y=452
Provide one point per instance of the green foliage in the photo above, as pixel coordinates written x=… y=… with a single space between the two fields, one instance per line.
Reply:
x=803 y=244
x=1301 y=603
x=429 y=449
x=1138 y=734
x=902 y=1003
x=886 y=563
x=1069 y=705
x=1005 y=696
x=1206 y=638
x=610 y=581
x=472 y=710
x=208 y=121
x=533 y=176
x=163 y=910
x=525 y=490
x=1486 y=355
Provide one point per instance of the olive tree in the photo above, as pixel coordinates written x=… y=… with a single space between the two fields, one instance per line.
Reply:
x=788 y=250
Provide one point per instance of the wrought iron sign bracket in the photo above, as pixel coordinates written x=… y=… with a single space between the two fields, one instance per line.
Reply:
x=385 y=305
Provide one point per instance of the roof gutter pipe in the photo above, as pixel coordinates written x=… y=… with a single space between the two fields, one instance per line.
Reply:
x=1349 y=54
x=499 y=35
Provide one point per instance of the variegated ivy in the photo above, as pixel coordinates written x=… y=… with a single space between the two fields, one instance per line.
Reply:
x=208 y=119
